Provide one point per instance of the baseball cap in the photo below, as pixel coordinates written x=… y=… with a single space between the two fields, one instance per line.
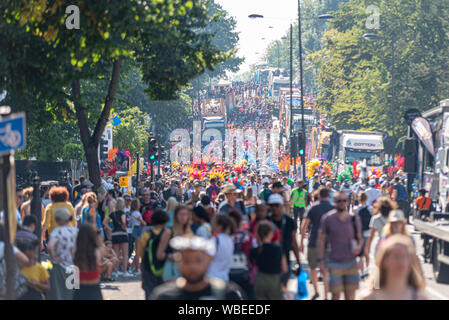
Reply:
x=396 y=215
x=275 y=199
x=193 y=243
x=372 y=183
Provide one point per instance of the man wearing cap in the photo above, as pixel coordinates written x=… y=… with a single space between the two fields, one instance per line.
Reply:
x=195 y=255
x=400 y=195
x=287 y=227
x=299 y=198
x=231 y=202
x=372 y=193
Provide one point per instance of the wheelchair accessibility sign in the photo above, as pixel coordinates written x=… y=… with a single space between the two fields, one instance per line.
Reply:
x=12 y=133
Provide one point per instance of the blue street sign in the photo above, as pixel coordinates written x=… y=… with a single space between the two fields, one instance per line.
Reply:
x=12 y=133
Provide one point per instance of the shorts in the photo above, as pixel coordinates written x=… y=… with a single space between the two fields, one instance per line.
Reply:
x=137 y=232
x=120 y=238
x=343 y=276
x=312 y=257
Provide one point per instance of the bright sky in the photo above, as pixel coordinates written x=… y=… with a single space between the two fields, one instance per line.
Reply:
x=277 y=13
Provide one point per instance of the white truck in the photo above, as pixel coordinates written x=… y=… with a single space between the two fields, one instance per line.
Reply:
x=360 y=146
x=278 y=83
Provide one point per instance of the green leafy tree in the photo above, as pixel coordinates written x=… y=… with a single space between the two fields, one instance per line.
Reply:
x=356 y=75
x=132 y=134
x=48 y=61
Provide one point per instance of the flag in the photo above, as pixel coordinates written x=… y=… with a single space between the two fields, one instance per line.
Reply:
x=133 y=168
x=116 y=121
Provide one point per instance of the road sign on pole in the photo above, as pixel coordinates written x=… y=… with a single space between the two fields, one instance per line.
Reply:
x=12 y=133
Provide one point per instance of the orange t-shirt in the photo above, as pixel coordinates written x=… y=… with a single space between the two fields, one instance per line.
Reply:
x=423 y=203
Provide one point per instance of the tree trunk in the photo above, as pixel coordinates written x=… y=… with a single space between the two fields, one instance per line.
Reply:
x=93 y=165
x=91 y=142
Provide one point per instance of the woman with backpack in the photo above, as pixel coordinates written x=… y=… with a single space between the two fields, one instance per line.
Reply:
x=270 y=263
x=119 y=235
x=152 y=250
x=181 y=227
x=244 y=240
x=89 y=211
x=363 y=210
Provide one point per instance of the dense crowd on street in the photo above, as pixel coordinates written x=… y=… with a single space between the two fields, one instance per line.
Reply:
x=190 y=239
x=229 y=236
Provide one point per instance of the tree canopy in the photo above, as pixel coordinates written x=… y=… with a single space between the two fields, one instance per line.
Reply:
x=54 y=65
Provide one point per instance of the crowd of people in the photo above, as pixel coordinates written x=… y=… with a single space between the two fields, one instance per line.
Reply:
x=234 y=239
x=236 y=236
x=250 y=112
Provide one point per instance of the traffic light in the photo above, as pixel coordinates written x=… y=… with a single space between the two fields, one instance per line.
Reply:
x=103 y=149
x=411 y=155
x=152 y=148
x=301 y=144
x=294 y=145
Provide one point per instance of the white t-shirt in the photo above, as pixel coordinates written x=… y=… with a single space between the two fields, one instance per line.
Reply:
x=135 y=215
x=372 y=195
x=221 y=264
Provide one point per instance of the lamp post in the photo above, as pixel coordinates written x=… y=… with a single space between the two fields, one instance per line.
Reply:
x=301 y=81
x=293 y=156
x=301 y=71
x=374 y=37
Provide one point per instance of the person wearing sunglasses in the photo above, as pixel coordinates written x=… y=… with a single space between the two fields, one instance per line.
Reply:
x=343 y=234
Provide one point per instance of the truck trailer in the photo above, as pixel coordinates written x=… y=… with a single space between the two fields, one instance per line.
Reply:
x=360 y=146
x=432 y=174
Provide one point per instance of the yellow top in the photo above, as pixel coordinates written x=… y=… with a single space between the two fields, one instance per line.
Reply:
x=36 y=272
x=50 y=221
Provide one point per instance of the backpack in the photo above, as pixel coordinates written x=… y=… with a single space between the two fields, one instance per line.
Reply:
x=239 y=272
x=152 y=264
x=20 y=282
x=365 y=217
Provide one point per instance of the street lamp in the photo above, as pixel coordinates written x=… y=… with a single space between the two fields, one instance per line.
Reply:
x=301 y=85
x=374 y=37
x=301 y=71
x=326 y=17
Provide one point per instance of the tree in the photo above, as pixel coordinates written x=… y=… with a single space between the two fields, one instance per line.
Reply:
x=356 y=74
x=278 y=52
x=132 y=134
x=225 y=39
x=46 y=60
